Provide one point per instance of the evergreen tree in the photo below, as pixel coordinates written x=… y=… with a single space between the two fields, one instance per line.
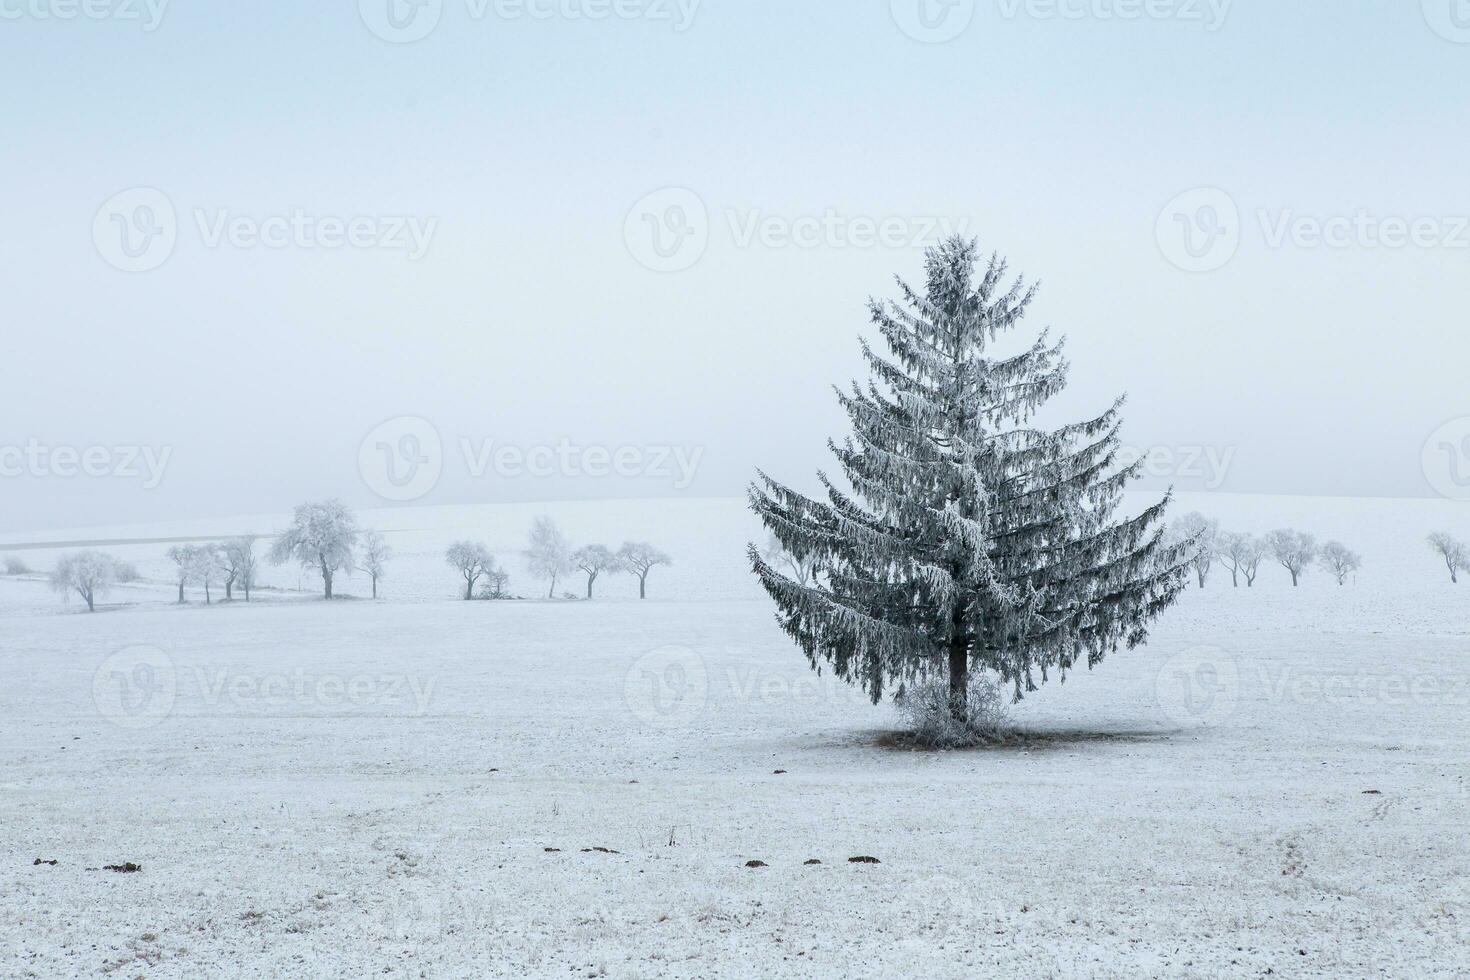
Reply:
x=972 y=539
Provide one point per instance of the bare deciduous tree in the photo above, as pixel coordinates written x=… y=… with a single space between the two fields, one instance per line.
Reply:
x=206 y=561
x=1250 y=564
x=375 y=557
x=1456 y=556
x=89 y=574
x=496 y=580
x=183 y=559
x=471 y=560
x=1203 y=536
x=1234 y=551
x=803 y=570
x=595 y=559
x=322 y=536
x=238 y=564
x=640 y=558
x=1295 y=550
x=549 y=553
x=1340 y=560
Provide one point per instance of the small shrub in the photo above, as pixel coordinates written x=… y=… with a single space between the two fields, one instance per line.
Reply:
x=127 y=572
x=14 y=566
x=924 y=709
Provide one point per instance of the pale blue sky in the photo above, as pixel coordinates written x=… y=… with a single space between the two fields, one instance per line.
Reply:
x=529 y=319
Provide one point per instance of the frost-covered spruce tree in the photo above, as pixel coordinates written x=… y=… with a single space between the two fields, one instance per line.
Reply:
x=971 y=538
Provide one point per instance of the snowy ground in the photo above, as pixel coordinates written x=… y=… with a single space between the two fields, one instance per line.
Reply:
x=1279 y=784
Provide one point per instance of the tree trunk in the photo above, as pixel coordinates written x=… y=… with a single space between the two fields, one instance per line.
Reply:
x=181 y=593
x=1293 y=580
x=229 y=590
x=590 y=580
x=208 y=599
x=959 y=680
x=375 y=586
x=643 y=586
x=91 y=601
x=551 y=592
x=327 y=582
x=469 y=589
x=1235 y=580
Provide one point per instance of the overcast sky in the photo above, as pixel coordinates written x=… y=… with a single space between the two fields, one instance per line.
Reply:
x=636 y=238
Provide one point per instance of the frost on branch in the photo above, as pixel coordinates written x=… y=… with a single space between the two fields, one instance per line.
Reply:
x=971 y=538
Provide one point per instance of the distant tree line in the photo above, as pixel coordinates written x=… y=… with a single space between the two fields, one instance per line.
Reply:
x=549 y=554
x=325 y=538
x=1242 y=554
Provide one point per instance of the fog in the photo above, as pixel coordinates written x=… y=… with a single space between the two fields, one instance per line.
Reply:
x=628 y=256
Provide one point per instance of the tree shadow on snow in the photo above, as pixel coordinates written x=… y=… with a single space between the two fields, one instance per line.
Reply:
x=1029 y=740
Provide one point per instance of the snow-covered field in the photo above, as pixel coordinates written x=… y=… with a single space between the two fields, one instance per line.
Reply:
x=418 y=787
